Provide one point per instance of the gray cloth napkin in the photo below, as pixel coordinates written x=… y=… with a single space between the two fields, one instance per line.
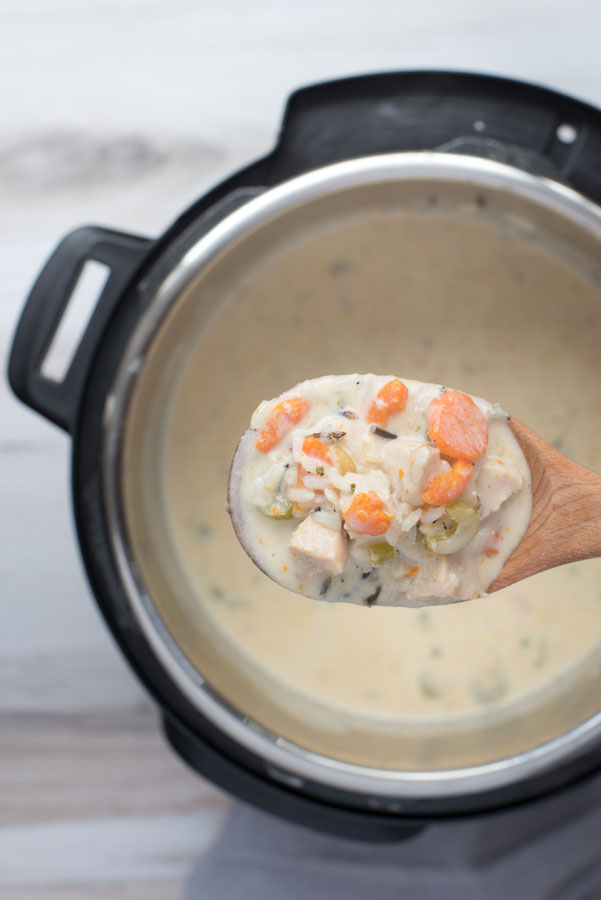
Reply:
x=549 y=851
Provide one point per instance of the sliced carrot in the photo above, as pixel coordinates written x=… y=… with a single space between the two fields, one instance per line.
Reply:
x=457 y=426
x=366 y=515
x=446 y=487
x=285 y=414
x=312 y=446
x=390 y=399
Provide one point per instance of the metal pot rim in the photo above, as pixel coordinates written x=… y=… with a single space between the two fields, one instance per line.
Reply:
x=293 y=763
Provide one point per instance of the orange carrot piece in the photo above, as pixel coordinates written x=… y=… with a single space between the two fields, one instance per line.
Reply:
x=446 y=487
x=366 y=515
x=285 y=414
x=490 y=551
x=312 y=446
x=457 y=426
x=411 y=572
x=390 y=399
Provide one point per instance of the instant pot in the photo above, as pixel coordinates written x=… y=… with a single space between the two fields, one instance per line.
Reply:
x=354 y=147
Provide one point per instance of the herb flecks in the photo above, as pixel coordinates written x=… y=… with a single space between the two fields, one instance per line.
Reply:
x=339 y=267
x=428 y=686
x=423 y=617
x=325 y=587
x=369 y=601
x=320 y=471
x=353 y=488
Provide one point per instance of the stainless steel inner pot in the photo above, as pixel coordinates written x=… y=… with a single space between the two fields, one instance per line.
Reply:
x=468 y=756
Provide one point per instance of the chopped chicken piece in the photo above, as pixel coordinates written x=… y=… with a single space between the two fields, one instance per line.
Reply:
x=411 y=466
x=496 y=482
x=323 y=548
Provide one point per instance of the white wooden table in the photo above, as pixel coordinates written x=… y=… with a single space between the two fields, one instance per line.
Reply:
x=120 y=113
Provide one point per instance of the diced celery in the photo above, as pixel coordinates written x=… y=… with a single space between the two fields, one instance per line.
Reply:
x=279 y=508
x=454 y=530
x=381 y=553
x=345 y=461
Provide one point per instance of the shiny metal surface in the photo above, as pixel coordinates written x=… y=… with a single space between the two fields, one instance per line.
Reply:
x=293 y=761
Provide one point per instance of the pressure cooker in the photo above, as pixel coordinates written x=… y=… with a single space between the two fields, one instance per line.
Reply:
x=353 y=147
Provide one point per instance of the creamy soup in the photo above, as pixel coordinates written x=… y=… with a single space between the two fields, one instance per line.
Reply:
x=450 y=303
x=375 y=490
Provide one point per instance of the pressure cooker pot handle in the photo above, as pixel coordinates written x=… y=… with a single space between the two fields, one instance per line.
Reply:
x=58 y=398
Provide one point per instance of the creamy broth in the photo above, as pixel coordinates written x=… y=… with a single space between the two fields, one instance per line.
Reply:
x=448 y=302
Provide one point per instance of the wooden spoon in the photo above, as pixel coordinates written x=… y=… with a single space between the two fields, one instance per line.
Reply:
x=565 y=525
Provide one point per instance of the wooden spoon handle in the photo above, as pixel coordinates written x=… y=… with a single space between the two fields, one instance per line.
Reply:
x=565 y=525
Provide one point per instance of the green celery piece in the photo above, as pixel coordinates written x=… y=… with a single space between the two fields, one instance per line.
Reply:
x=381 y=553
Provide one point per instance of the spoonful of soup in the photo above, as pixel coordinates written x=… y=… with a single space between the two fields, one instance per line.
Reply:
x=375 y=490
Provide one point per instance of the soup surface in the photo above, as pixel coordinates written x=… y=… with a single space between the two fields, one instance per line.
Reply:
x=451 y=300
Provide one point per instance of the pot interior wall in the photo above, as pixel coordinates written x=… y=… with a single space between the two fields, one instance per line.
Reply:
x=446 y=282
